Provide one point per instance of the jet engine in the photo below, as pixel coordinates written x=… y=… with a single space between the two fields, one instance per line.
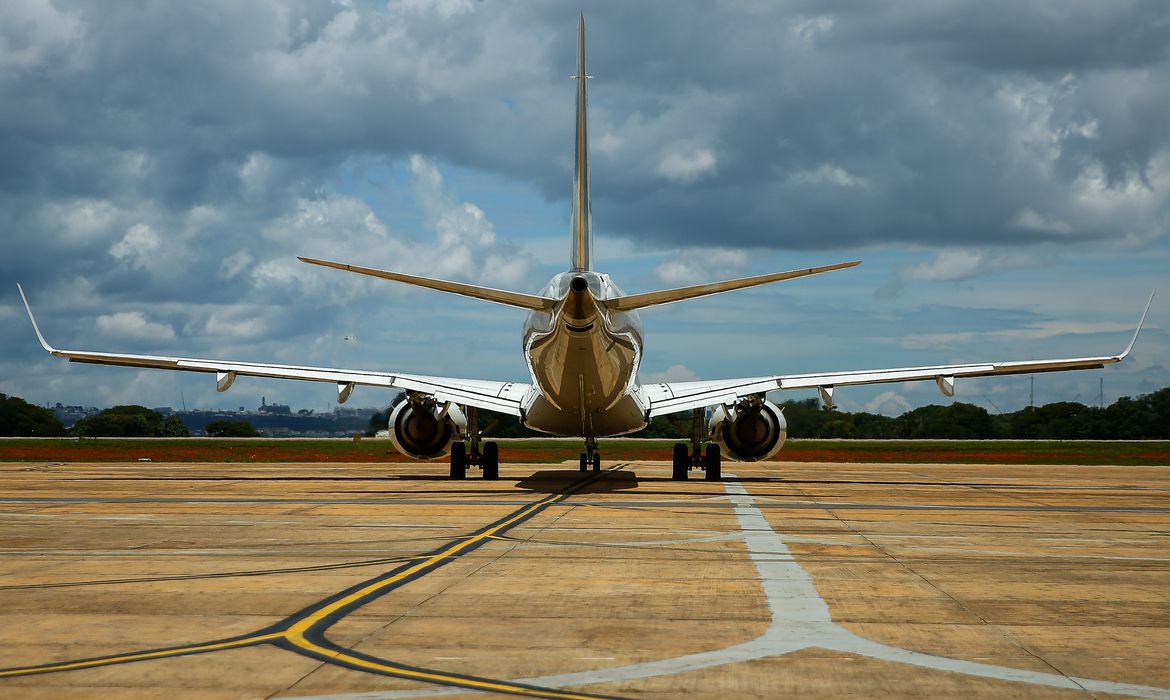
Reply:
x=751 y=430
x=425 y=429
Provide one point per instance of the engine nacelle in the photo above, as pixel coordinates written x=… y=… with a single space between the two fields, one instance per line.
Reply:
x=426 y=429
x=749 y=431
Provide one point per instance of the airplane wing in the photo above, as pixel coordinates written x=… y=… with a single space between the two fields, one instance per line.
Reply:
x=502 y=397
x=673 y=397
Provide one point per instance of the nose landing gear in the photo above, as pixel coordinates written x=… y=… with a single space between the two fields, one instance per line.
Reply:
x=590 y=457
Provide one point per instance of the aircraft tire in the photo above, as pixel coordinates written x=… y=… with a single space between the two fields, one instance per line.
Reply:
x=712 y=463
x=682 y=462
x=584 y=462
x=459 y=461
x=490 y=461
x=596 y=461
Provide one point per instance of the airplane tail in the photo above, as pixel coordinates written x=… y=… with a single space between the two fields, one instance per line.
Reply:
x=581 y=223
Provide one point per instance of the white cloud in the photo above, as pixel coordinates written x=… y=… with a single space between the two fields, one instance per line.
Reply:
x=467 y=245
x=1030 y=220
x=829 y=174
x=239 y=323
x=687 y=167
x=809 y=29
x=947 y=266
x=607 y=143
x=696 y=265
x=888 y=403
x=138 y=245
x=33 y=32
x=958 y=265
x=444 y=9
x=83 y=220
x=1034 y=331
x=234 y=264
x=134 y=325
x=674 y=373
x=464 y=244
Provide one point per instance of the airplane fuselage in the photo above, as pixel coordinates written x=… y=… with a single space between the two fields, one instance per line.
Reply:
x=584 y=360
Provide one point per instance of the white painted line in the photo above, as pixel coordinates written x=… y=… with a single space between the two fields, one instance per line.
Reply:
x=800 y=620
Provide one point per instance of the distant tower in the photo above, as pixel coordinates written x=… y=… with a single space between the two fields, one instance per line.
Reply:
x=262 y=400
x=1032 y=392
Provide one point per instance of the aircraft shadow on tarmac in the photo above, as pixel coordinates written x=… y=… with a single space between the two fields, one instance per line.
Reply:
x=558 y=480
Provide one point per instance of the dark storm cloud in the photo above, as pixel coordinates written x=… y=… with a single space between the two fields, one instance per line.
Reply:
x=795 y=126
x=157 y=151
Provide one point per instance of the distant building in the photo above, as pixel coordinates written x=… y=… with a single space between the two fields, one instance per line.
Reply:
x=279 y=409
x=68 y=415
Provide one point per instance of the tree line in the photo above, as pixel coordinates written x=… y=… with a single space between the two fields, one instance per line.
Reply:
x=1146 y=417
x=18 y=418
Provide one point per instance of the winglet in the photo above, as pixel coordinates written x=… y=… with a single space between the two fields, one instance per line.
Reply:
x=48 y=348
x=1141 y=322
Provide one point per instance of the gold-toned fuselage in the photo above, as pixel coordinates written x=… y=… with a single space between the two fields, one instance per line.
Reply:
x=584 y=360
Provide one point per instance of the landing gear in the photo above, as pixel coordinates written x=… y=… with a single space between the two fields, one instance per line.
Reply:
x=590 y=457
x=459 y=461
x=682 y=462
x=461 y=458
x=712 y=464
x=490 y=461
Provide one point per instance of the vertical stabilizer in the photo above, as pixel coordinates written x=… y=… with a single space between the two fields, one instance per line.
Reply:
x=581 y=224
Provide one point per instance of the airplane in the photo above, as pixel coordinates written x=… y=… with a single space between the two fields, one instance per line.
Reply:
x=582 y=344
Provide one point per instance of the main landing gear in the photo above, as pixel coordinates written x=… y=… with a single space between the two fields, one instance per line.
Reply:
x=488 y=460
x=710 y=461
x=590 y=457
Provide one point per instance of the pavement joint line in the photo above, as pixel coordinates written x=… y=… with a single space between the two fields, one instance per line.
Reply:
x=998 y=629
x=800 y=620
x=304 y=631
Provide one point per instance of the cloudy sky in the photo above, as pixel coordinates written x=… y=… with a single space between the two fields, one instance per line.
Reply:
x=1003 y=169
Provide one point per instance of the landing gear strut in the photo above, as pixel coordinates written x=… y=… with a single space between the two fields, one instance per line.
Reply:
x=488 y=459
x=590 y=457
x=710 y=463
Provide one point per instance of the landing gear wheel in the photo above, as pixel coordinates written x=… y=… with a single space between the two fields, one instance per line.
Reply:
x=584 y=462
x=682 y=462
x=459 y=461
x=596 y=461
x=712 y=463
x=490 y=461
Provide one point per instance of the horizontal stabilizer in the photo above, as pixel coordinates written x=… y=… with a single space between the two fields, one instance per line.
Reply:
x=669 y=296
x=499 y=296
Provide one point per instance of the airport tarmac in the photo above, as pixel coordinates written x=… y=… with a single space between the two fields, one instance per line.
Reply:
x=151 y=580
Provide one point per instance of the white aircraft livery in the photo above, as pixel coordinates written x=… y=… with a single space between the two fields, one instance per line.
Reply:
x=583 y=345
